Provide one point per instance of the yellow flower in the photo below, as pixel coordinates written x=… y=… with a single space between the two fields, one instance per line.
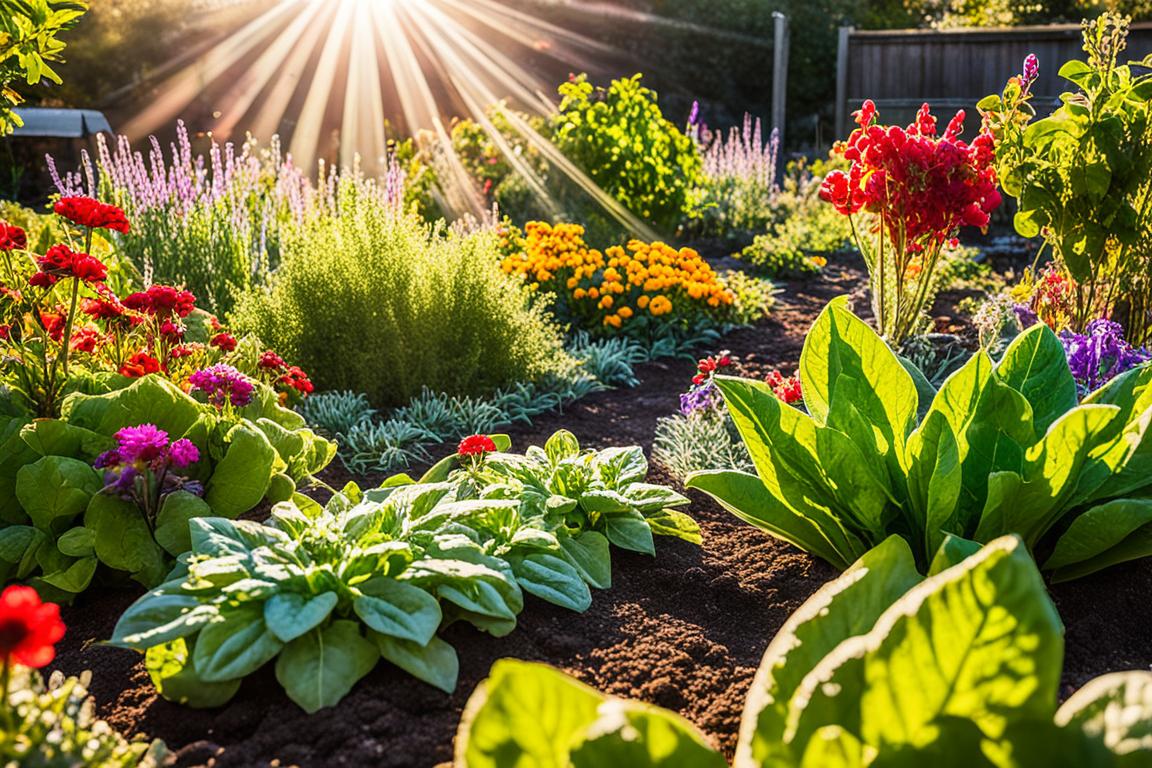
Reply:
x=606 y=302
x=624 y=312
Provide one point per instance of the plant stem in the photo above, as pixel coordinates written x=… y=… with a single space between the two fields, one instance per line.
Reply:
x=5 y=703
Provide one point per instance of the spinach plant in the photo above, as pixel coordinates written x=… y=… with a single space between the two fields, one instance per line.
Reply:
x=1001 y=448
x=881 y=667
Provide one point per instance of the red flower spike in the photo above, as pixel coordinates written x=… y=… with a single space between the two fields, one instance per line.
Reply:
x=29 y=628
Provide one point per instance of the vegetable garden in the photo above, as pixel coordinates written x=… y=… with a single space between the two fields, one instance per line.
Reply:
x=681 y=454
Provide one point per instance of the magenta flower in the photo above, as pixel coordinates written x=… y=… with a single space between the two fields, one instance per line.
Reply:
x=224 y=385
x=143 y=444
x=183 y=453
x=1031 y=70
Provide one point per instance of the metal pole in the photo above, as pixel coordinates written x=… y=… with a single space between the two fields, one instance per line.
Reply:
x=780 y=73
x=842 y=83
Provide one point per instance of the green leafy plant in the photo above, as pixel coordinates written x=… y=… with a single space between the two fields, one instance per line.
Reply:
x=685 y=444
x=59 y=521
x=1081 y=175
x=621 y=139
x=881 y=667
x=29 y=45
x=328 y=591
x=1001 y=448
x=382 y=304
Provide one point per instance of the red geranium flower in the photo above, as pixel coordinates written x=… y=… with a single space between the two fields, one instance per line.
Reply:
x=12 y=238
x=162 y=301
x=297 y=380
x=29 y=629
x=224 y=341
x=62 y=262
x=270 y=361
x=786 y=388
x=92 y=214
x=87 y=340
x=140 y=365
x=710 y=365
x=53 y=323
x=476 y=445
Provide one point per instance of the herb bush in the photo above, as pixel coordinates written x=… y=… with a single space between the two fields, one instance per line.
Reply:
x=739 y=177
x=621 y=139
x=881 y=667
x=374 y=302
x=1081 y=176
x=1001 y=448
x=327 y=592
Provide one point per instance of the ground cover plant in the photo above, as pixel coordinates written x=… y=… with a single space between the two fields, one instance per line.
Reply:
x=979 y=636
x=328 y=591
x=1001 y=448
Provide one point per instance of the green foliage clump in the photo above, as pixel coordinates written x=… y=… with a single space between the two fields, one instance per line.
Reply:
x=29 y=46
x=708 y=440
x=1083 y=176
x=380 y=303
x=621 y=139
x=58 y=522
x=1001 y=448
x=802 y=230
x=56 y=727
x=881 y=667
x=327 y=592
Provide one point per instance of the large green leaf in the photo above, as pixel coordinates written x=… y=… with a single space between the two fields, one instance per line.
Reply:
x=55 y=490
x=177 y=509
x=53 y=437
x=122 y=539
x=524 y=714
x=242 y=477
x=1036 y=365
x=636 y=734
x=590 y=554
x=290 y=615
x=844 y=608
x=320 y=668
x=843 y=357
x=935 y=478
x=148 y=400
x=160 y=617
x=234 y=645
x=435 y=663
x=1116 y=711
x=14 y=454
x=397 y=609
x=981 y=641
x=552 y=578
x=174 y=675
x=1099 y=529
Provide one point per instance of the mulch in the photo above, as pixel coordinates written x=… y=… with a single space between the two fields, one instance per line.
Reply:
x=684 y=630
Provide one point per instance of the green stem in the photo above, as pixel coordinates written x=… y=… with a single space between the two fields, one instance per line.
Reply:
x=5 y=703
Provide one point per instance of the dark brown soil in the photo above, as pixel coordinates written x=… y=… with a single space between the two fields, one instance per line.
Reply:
x=684 y=630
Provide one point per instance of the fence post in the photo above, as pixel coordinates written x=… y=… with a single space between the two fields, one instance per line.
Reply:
x=780 y=73
x=842 y=83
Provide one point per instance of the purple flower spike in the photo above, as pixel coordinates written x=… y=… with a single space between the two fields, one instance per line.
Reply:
x=1031 y=70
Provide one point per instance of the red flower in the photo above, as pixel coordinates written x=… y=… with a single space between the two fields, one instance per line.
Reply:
x=29 y=629
x=786 y=388
x=270 y=361
x=184 y=350
x=87 y=340
x=162 y=301
x=140 y=365
x=709 y=366
x=5 y=332
x=476 y=445
x=296 y=379
x=12 y=238
x=224 y=341
x=92 y=214
x=53 y=323
x=62 y=262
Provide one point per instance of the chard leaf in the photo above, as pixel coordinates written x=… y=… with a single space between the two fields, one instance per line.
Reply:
x=55 y=490
x=160 y=617
x=1036 y=366
x=235 y=644
x=320 y=668
x=122 y=539
x=240 y=479
x=1099 y=529
x=553 y=579
x=435 y=663
x=176 y=511
x=589 y=552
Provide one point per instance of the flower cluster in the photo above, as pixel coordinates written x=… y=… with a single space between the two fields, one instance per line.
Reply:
x=224 y=385
x=62 y=262
x=162 y=301
x=29 y=630
x=144 y=453
x=704 y=396
x=12 y=238
x=476 y=445
x=1048 y=297
x=86 y=212
x=786 y=388
x=1100 y=354
x=623 y=286
x=916 y=190
x=289 y=380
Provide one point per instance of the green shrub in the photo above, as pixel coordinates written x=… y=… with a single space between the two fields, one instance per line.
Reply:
x=383 y=304
x=56 y=727
x=29 y=46
x=1001 y=448
x=685 y=444
x=621 y=139
x=881 y=667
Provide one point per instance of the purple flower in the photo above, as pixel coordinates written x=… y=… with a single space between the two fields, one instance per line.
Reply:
x=1025 y=316
x=107 y=459
x=1031 y=70
x=694 y=115
x=143 y=444
x=1100 y=354
x=182 y=453
x=705 y=397
x=224 y=385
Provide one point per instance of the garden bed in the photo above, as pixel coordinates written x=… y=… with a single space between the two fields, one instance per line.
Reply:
x=685 y=630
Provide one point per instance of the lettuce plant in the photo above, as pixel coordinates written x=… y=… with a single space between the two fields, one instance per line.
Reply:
x=328 y=591
x=881 y=667
x=1001 y=448
x=61 y=517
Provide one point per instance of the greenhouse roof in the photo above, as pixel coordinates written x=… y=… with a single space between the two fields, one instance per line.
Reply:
x=61 y=123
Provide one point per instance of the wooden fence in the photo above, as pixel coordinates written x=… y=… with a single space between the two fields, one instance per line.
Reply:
x=953 y=69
